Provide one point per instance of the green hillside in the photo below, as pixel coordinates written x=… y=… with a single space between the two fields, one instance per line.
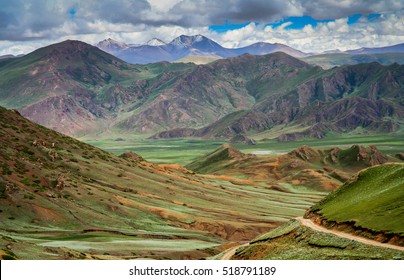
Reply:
x=293 y=241
x=63 y=199
x=374 y=200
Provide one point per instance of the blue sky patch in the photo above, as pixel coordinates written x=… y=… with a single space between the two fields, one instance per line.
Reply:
x=296 y=22
x=227 y=26
x=72 y=13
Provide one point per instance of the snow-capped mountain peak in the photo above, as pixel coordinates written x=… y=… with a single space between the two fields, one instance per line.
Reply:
x=111 y=45
x=156 y=42
x=187 y=41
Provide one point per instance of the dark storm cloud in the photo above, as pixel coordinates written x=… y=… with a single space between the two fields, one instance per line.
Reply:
x=22 y=20
x=6 y=19
x=331 y=9
x=128 y=11
x=256 y=10
x=210 y=12
x=25 y=20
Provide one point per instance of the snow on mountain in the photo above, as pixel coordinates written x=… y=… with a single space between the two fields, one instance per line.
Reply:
x=156 y=42
x=183 y=46
x=111 y=46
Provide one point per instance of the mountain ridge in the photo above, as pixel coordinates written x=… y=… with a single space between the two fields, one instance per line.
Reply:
x=184 y=46
x=78 y=89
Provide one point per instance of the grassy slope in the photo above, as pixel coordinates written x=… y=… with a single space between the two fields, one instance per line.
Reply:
x=122 y=201
x=295 y=242
x=172 y=151
x=21 y=73
x=375 y=200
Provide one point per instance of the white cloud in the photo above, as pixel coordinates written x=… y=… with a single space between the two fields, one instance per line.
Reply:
x=25 y=26
x=337 y=34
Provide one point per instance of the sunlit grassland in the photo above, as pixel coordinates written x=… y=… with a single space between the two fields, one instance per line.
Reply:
x=374 y=201
x=183 y=151
x=295 y=242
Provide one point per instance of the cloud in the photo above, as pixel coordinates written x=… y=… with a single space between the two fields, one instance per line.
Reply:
x=387 y=30
x=27 y=20
x=212 y=12
x=25 y=25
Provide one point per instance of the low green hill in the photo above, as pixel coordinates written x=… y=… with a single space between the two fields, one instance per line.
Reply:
x=374 y=200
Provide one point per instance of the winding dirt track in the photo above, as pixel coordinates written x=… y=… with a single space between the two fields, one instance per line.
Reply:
x=232 y=251
x=311 y=224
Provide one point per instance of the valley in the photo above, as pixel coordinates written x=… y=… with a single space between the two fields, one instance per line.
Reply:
x=60 y=198
x=103 y=159
x=172 y=151
x=63 y=199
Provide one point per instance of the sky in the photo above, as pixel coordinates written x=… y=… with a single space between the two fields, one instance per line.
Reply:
x=307 y=25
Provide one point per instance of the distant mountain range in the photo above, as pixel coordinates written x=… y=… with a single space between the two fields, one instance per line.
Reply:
x=389 y=49
x=184 y=47
x=77 y=89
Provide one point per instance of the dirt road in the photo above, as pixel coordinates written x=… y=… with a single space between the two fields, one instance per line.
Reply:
x=311 y=224
x=228 y=255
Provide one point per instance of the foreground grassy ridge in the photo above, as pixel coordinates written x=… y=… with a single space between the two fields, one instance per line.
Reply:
x=57 y=192
x=295 y=242
x=374 y=200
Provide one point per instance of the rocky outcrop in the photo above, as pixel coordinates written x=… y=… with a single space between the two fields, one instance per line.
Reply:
x=132 y=156
x=355 y=155
x=305 y=153
x=78 y=89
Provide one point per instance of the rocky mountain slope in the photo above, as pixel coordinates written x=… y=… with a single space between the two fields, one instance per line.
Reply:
x=73 y=87
x=342 y=99
x=78 y=89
